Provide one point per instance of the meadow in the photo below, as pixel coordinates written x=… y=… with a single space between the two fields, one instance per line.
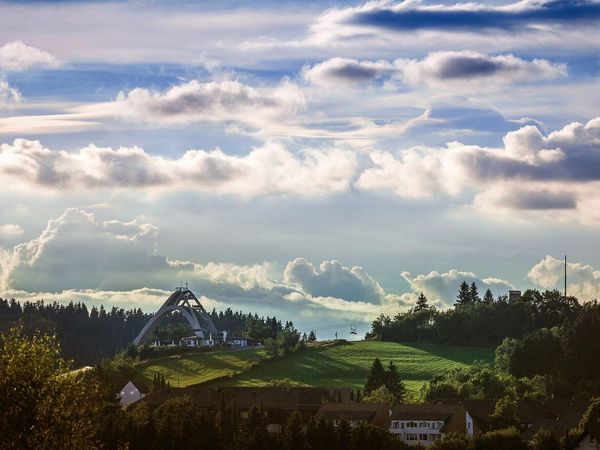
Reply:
x=344 y=364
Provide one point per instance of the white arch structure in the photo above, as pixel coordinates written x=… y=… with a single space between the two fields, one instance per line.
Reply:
x=184 y=301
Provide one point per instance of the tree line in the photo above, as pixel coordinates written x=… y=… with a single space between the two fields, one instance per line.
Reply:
x=88 y=335
x=477 y=321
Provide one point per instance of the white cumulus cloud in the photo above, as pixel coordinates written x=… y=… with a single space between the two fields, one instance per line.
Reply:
x=583 y=280
x=16 y=56
x=270 y=169
x=332 y=279
x=444 y=286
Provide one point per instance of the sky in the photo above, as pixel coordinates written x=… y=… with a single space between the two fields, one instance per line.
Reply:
x=322 y=161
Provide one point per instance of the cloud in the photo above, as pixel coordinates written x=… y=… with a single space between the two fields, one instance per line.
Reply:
x=16 y=57
x=468 y=66
x=583 y=279
x=346 y=71
x=532 y=171
x=270 y=169
x=10 y=230
x=8 y=94
x=78 y=257
x=412 y=16
x=437 y=68
x=195 y=101
x=332 y=279
x=443 y=287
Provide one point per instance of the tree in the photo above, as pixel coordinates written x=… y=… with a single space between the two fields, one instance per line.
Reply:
x=380 y=395
x=421 y=303
x=376 y=377
x=545 y=440
x=505 y=413
x=464 y=295
x=488 y=297
x=474 y=293
x=591 y=419
x=394 y=383
x=453 y=441
x=343 y=434
x=42 y=404
x=132 y=351
x=506 y=439
x=293 y=437
x=312 y=336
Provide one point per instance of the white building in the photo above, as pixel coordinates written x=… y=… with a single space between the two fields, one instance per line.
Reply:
x=425 y=424
x=129 y=394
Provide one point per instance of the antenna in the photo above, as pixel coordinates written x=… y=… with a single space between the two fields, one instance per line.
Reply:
x=565 y=276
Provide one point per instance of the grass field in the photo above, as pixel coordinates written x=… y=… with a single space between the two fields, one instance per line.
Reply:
x=347 y=364
x=335 y=365
x=194 y=368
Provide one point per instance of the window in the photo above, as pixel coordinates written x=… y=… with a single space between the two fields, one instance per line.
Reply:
x=411 y=437
x=422 y=437
x=411 y=425
x=423 y=424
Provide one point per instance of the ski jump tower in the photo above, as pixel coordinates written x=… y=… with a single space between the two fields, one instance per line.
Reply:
x=184 y=301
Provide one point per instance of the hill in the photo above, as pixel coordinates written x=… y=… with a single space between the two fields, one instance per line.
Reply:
x=344 y=364
x=195 y=368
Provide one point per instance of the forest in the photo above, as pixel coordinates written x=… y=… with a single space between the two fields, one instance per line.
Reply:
x=87 y=335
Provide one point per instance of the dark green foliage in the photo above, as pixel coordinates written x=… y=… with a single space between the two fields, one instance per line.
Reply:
x=464 y=297
x=453 y=442
x=479 y=381
x=534 y=354
x=376 y=377
x=42 y=404
x=488 y=297
x=286 y=342
x=545 y=440
x=343 y=434
x=474 y=294
x=504 y=414
x=312 y=336
x=505 y=439
x=394 y=383
x=292 y=437
x=591 y=419
x=421 y=303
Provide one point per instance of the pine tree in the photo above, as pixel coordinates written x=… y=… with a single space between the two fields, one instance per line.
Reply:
x=464 y=295
x=343 y=434
x=376 y=377
x=312 y=336
x=421 y=303
x=293 y=436
x=394 y=383
x=474 y=293
x=488 y=297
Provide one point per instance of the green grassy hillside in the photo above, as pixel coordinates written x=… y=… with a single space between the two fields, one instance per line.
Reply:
x=194 y=368
x=342 y=365
x=347 y=364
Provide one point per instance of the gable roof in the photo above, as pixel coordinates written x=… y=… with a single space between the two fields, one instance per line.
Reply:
x=376 y=414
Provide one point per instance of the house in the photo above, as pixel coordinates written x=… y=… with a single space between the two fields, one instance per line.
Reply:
x=531 y=415
x=426 y=423
x=131 y=394
x=278 y=402
x=375 y=414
